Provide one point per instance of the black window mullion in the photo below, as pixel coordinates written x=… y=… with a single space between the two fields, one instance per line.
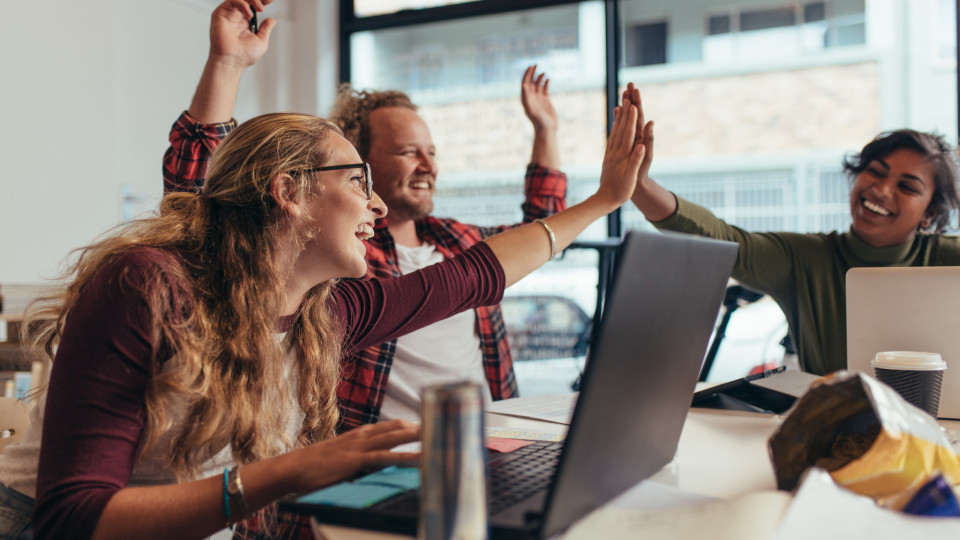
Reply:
x=345 y=15
x=614 y=42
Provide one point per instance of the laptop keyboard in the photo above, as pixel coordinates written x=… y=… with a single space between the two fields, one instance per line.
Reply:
x=521 y=474
x=513 y=477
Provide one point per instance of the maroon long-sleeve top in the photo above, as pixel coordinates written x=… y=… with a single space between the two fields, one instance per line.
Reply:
x=95 y=411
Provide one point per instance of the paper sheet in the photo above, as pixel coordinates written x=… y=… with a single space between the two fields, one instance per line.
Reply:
x=367 y=490
x=825 y=511
x=505 y=446
x=528 y=434
x=350 y=495
x=750 y=517
x=954 y=438
x=656 y=494
x=556 y=408
x=794 y=383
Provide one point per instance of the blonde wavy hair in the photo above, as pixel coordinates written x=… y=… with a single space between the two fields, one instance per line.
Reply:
x=221 y=340
x=351 y=112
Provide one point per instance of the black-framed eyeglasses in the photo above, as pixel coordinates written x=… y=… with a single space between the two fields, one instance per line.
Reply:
x=365 y=167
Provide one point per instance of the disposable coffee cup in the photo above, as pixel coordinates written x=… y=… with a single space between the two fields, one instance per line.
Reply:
x=917 y=376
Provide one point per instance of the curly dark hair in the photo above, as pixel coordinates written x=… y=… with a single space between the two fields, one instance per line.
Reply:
x=941 y=155
x=352 y=108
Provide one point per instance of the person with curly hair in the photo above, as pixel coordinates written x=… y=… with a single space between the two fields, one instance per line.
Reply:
x=395 y=140
x=195 y=353
x=902 y=196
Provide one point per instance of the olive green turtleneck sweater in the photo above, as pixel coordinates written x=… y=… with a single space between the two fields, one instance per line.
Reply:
x=806 y=274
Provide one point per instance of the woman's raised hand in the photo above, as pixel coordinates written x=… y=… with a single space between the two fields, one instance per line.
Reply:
x=623 y=156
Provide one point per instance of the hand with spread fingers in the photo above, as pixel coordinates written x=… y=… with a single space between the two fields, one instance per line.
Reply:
x=363 y=449
x=535 y=97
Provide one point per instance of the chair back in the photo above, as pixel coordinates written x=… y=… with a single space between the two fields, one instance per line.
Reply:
x=14 y=419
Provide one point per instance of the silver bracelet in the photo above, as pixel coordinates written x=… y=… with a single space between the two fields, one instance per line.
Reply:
x=236 y=495
x=553 y=239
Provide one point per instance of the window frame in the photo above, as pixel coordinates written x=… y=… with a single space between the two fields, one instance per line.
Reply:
x=350 y=24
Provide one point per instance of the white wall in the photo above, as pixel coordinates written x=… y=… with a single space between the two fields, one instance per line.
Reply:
x=88 y=92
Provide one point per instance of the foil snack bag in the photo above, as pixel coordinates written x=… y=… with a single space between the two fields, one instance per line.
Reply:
x=867 y=436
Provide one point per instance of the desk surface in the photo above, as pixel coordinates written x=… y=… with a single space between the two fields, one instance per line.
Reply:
x=721 y=454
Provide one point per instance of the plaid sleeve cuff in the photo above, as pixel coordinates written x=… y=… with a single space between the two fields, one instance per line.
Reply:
x=545 y=182
x=191 y=144
x=216 y=131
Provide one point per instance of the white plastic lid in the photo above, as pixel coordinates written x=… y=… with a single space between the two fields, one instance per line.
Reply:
x=911 y=360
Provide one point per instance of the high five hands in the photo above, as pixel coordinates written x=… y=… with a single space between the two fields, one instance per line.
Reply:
x=625 y=152
x=644 y=129
x=653 y=201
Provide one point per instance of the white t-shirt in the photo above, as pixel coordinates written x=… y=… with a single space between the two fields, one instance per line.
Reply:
x=445 y=351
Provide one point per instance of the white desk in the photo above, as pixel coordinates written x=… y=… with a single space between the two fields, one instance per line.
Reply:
x=721 y=454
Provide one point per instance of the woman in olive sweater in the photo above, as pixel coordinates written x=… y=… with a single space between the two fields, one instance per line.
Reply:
x=902 y=194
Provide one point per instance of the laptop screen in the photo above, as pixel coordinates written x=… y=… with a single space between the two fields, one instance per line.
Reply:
x=636 y=390
x=641 y=370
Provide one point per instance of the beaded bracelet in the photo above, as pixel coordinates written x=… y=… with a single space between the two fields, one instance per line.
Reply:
x=226 y=495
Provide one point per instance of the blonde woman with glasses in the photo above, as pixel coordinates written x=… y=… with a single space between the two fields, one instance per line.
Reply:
x=198 y=351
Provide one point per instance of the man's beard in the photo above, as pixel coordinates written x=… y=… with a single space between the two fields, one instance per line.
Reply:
x=405 y=209
x=410 y=204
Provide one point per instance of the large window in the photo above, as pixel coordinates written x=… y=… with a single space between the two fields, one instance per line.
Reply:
x=755 y=104
x=465 y=77
x=781 y=30
x=366 y=8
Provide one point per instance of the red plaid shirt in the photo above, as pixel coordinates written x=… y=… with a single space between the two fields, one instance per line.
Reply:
x=364 y=376
x=191 y=144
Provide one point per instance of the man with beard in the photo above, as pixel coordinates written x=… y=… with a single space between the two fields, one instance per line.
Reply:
x=383 y=382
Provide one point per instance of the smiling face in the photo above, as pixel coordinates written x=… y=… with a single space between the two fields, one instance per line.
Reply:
x=337 y=217
x=402 y=157
x=890 y=198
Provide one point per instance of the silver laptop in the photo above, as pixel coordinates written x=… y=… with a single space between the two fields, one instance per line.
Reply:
x=634 y=397
x=906 y=309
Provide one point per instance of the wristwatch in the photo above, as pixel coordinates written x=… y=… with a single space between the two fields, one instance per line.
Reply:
x=235 y=493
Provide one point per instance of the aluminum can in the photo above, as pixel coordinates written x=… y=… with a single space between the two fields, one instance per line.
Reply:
x=453 y=493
